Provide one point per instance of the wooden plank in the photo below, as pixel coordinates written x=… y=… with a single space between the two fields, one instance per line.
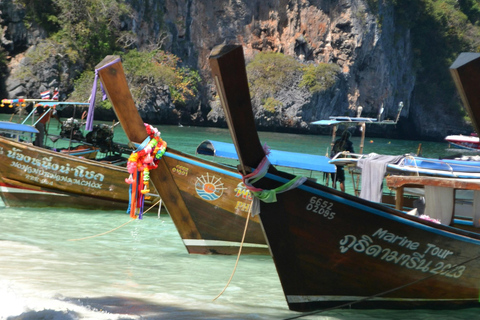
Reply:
x=226 y=60
x=466 y=75
x=399 y=198
x=395 y=181
x=116 y=87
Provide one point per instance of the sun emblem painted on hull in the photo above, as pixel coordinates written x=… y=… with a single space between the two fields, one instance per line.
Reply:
x=209 y=187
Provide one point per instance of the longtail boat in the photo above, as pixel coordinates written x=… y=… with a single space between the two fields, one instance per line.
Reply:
x=207 y=201
x=332 y=249
x=68 y=177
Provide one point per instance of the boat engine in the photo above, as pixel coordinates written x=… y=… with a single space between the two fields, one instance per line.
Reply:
x=71 y=130
x=102 y=137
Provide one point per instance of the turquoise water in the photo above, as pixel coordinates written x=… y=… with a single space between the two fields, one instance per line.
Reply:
x=56 y=264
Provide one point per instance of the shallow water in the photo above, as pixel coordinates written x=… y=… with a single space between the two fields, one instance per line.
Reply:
x=139 y=269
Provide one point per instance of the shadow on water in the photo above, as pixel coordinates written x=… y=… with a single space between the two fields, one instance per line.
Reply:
x=118 y=307
x=46 y=314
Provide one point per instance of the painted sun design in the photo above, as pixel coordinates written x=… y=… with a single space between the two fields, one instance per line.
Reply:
x=209 y=187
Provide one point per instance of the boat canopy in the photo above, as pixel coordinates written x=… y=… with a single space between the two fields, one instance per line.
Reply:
x=61 y=103
x=6 y=126
x=276 y=157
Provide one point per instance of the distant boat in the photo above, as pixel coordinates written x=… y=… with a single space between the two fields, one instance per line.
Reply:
x=332 y=249
x=336 y=121
x=471 y=142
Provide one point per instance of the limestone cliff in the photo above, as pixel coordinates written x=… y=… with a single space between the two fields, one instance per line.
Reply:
x=374 y=53
x=376 y=58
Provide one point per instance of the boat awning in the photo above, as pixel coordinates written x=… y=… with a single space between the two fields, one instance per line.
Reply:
x=60 y=104
x=276 y=157
x=6 y=126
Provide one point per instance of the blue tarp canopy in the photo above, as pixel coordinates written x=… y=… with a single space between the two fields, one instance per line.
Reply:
x=11 y=126
x=276 y=157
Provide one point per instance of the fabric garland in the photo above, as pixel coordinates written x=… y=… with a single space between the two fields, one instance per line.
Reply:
x=140 y=162
x=267 y=196
x=91 y=107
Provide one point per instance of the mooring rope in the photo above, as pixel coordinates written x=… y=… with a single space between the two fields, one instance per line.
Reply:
x=382 y=293
x=239 y=252
x=104 y=233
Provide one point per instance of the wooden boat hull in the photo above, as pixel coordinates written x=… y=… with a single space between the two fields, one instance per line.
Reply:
x=218 y=204
x=332 y=250
x=37 y=177
x=205 y=200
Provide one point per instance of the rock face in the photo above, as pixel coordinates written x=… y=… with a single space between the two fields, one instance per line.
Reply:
x=374 y=54
x=376 y=60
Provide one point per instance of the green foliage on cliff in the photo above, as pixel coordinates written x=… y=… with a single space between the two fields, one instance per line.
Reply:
x=270 y=104
x=150 y=69
x=90 y=28
x=269 y=72
x=42 y=12
x=146 y=71
x=440 y=31
x=85 y=31
x=318 y=78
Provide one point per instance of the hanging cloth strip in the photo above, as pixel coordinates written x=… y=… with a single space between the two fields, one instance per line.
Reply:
x=91 y=107
x=140 y=162
x=267 y=196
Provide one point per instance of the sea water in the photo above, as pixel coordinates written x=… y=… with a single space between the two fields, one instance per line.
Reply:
x=72 y=264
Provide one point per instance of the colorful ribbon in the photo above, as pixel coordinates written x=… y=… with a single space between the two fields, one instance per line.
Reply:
x=140 y=162
x=91 y=107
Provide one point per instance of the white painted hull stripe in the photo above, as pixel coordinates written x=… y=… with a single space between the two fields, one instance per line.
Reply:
x=307 y=299
x=219 y=243
x=25 y=191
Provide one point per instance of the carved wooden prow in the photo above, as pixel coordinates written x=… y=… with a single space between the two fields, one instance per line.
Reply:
x=230 y=76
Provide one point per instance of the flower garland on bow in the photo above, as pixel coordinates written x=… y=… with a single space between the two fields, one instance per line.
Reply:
x=140 y=162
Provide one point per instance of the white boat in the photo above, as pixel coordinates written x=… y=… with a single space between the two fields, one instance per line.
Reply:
x=460 y=141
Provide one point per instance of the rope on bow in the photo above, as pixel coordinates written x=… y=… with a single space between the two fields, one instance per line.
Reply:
x=267 y=196
x=139 y=164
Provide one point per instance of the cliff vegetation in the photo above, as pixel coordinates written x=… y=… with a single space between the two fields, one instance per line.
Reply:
x=307 y=60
